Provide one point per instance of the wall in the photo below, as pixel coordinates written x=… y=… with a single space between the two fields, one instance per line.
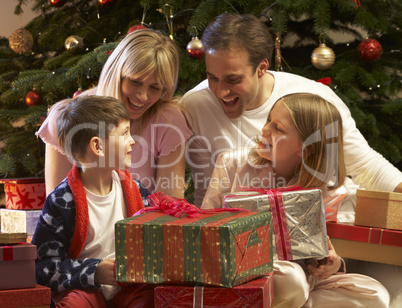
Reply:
x=10 y=22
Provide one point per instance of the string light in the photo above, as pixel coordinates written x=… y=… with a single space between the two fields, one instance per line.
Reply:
x=169 y=18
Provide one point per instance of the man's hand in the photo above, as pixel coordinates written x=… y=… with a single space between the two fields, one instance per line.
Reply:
x=104 y=273
x=328 y=266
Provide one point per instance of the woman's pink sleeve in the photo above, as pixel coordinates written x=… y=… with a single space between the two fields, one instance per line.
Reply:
x=48 y=132
x=171 y=133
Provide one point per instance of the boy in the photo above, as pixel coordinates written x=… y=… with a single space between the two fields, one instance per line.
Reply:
x=75 y=233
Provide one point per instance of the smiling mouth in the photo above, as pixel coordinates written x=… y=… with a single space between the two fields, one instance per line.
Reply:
x=134 y=104
x=230 y=102
x=265 y=142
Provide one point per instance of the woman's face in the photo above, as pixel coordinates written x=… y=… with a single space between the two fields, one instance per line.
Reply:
x=281 y=142
x=140 y=93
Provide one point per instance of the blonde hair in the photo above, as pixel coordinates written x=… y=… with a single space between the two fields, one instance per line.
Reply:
x=319 y=124
x=142 y=53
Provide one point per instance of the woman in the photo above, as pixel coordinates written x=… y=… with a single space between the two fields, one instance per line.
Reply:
x=142 y=72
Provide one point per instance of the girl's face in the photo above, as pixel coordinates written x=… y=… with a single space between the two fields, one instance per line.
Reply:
x=119 y=146
x=281 y=143
x=140 y=93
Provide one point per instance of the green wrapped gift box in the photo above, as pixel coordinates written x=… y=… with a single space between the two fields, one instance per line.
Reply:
x=219 y=249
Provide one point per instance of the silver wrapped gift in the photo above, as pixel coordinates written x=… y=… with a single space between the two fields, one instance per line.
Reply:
x=298 y=220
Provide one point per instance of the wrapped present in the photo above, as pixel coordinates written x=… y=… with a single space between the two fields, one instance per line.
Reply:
x=39 y=296
x=298 y=218
x=365 y=243
x=17 y=221
x=379 y=209
x=224 y=248
x=17 y=266
x=12 y=238
x=24 y=193
x=255 y=293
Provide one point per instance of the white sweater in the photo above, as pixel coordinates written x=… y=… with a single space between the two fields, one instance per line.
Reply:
x=214 y=133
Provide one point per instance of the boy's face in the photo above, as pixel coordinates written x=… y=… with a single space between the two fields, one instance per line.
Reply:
x=119 y=146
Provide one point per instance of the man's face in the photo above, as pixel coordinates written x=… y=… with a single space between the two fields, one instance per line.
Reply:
x=233 y=81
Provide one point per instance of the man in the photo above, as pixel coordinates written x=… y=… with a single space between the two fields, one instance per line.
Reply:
x=230 y=108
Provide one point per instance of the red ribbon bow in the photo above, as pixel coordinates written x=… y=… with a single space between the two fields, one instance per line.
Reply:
x=325 y=80
x=267 y=191
x=177 y=207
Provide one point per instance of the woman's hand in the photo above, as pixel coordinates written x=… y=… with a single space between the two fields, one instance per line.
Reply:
x=104 y=273
x=328 y=266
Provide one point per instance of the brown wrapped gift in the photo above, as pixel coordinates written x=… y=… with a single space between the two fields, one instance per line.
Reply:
x=379 y=209
x=12 y=238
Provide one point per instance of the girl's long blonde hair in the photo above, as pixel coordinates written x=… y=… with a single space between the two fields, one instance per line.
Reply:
x=319 y=124
x=142 y=53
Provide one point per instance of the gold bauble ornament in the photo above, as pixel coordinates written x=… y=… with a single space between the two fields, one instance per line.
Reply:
x=21 y=41
x=323 y=57
x=74 y=43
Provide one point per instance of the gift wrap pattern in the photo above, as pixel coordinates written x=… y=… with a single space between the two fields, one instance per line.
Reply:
x=298 y=220
x=12 y=238
x=17 y=221
x=221 y=249
x=39 y=297
x=24 y=193
x=257 y=293
x=379 y=209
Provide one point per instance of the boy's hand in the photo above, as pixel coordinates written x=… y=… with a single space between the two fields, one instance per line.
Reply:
x=104 y=273
x=327 y=266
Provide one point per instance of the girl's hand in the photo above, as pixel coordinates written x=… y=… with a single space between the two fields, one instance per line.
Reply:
x=328 y=266
x=104 y=273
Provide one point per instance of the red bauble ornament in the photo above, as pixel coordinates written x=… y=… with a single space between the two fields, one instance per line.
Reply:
x=33 y=98
x=369 y=50
x=195 y=48
x=78 y=92
x=106 y=3
x=58 y=3
x=136 y=27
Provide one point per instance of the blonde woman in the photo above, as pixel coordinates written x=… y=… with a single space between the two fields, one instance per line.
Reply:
x=142 y=72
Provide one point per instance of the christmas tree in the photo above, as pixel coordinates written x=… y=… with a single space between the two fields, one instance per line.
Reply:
x=355 y=47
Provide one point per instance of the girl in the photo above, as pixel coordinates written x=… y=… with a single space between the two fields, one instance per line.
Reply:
x=301 y=145
x=142 y=72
